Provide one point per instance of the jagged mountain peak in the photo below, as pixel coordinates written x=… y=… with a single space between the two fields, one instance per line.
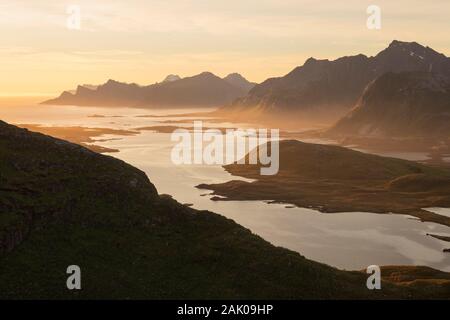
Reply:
x=312 y=61
x=111 y=81
x=399 y=43
x=237 y=80
x=411 y=49
x=81 y=88
x=234 y=75
x=207 y=74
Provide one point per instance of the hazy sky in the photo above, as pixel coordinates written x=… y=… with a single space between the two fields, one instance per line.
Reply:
x=143 y=41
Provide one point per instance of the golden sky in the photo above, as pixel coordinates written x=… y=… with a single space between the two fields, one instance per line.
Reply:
x=144 y=40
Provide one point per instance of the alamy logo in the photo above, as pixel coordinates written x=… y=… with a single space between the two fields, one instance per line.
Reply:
x=73 y=21
x=212 y=146
x=374 y=281
x=374 y=19
x=74 y=280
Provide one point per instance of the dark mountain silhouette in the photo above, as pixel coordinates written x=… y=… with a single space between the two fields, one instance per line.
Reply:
x=239 y=81
x=407 y=104
x=202 y=90
x=323 y=88
x=111 y=93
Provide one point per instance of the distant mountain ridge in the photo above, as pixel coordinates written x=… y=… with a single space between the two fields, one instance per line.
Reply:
x=322 y=87
x=202 y=90
x=239 y=81
x=405 y=104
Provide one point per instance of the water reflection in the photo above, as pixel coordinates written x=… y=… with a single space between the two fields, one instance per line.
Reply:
x=346 y=240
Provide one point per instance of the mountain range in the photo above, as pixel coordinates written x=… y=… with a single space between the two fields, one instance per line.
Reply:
x=326 y=90
x=202 y=90
x=320 y=91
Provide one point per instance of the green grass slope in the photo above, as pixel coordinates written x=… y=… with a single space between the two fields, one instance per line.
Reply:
x=61 y=204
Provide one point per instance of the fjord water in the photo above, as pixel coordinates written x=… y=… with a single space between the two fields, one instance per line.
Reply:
x=352 y=240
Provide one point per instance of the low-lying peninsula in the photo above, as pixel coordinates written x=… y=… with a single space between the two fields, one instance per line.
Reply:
x=336 y=179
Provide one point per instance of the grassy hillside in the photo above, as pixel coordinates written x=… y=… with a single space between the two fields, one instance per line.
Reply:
x=61 y=204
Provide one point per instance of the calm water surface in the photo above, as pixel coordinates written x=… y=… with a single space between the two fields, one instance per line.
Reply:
x=351 y=240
